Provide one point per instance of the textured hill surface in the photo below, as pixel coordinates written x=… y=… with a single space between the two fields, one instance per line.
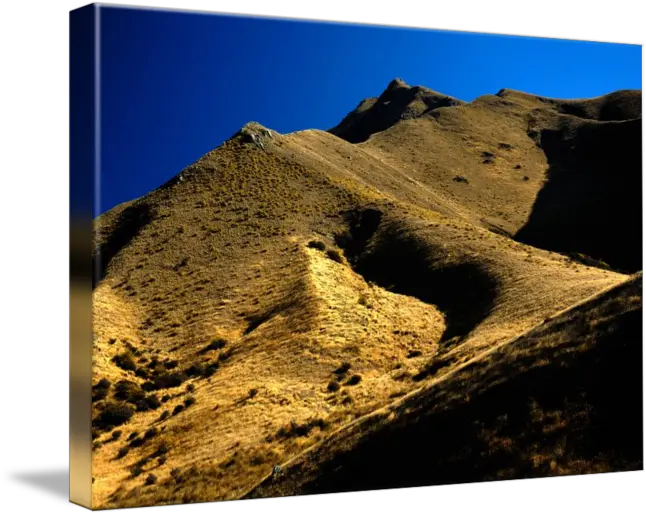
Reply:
x=300 y=298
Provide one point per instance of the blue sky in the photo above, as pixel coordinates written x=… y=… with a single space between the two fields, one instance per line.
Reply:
x=175 y=85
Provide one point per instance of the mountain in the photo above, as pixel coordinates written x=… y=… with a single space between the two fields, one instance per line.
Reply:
x=300 y=301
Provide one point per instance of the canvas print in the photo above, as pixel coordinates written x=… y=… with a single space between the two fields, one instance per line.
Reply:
x=332 y=257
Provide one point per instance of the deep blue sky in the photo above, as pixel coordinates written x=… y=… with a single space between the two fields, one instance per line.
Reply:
x=175 y=85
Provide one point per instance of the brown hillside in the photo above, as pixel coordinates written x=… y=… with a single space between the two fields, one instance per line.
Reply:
x=560 y=399
x=285 y=287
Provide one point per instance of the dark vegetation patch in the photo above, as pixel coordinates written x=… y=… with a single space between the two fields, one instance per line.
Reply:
x=316 y=244
x=125 y=361
x=100 y=390
x=334 y=255
x=460 y=179
x=214 y=345
x=294 y=429
x=113 y=414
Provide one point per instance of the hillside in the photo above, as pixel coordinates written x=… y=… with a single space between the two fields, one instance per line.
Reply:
x=283 y=290
x=563 y=398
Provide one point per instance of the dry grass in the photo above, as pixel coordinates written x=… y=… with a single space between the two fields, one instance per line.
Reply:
x=259 y=344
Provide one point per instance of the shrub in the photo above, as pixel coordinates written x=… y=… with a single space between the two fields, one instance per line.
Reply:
x=170 y=364
x=460 y=179
x=178 y=409
x=195 y=369
x=414 y=353
x=150 y=433
x=354 y=380
x=190 y=388
x=142 y=373
x=161 y=460
x=136 y=442
x=210 y=369
x=333 y=386
x=165 y=414
x=125 y=361
x=150 y=402
x=128 y=391
x=345 y=367
x=116 y=434
x=316 y=244
x=189 y=401
x=132 y=435
x=214 y=345
x=136 y=471
x=253 y=393
x=333 y=254
x=517 y=166
x=161 y=450
x=114 y=414
x=123 y=452
x=100 y=390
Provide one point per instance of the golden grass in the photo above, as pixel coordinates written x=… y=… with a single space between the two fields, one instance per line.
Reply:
x=225 y=255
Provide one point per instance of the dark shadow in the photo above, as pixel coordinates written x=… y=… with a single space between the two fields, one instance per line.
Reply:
x=392 y=106
x=591 y=203
x=128 y=225
x=396 y=260
x=54 y=482
x=585 y=409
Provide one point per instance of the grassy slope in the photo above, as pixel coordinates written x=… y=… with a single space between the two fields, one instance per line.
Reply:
x=222 y=251
x=561 y=399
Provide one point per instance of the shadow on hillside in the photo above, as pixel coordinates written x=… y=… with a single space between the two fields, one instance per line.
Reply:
x=582 y=414
x=128 y=225
x=591 y=202
x=393 y=105
x=396 y=260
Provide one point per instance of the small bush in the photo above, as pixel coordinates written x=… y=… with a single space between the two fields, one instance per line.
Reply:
x=125 y=361
x=189 y=401
x=354 y=380
x=128 y=391
x=165 y=398
x=150 y=433
x=214 y=345
x=414 y=354
x=136 y=471
x=150 y=402
x=100 y=390
x=460 y=179
x=161 y=450
x=517 y=166
x=132 y=435
x=136 y=442
x=334 y=255
x=178 y=409
x=161 y=460
x=170 y=364
x=116 y=434
x=253 y=393
x=316 y=244
x=344 y=368
x=194 y=370
x=123 y=452
x=142 y=373
x=210 y=369
x=165 y=414
x=333 y=386
x=114 y=414
x=190 y=388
